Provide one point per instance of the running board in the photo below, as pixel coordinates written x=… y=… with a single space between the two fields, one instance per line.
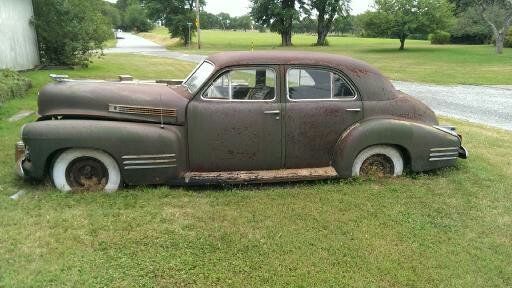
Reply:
x=266 y=176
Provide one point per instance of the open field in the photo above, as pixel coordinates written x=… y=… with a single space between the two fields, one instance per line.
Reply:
x=420 y=62
x=450 y=228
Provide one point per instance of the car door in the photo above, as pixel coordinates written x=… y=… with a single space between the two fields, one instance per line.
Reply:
x=320 y=105
x=235 y=123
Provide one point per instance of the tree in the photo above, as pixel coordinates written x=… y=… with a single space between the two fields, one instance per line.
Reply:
x=406 y=17
x=112 y=13
x=278 y=15
x=343 y=24
x=374 y=25
x=471 y=28
x=175 y=14
x=327 y=10
x=305 y=25
x=498 y=14
x=70 y=32
x=209 y=21
x=225 y=20
x=460 y=5
x=243 y=22
x=135 y=19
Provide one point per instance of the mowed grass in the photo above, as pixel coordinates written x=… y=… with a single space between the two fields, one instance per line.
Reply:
x=450 y=228
x=420 y=62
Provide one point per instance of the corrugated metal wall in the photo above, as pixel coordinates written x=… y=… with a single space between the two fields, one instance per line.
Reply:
x=18 y=42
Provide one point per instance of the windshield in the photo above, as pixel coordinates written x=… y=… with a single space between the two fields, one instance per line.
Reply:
x=201 y=74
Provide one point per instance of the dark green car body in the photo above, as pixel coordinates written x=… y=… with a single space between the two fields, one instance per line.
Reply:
x=176 y=130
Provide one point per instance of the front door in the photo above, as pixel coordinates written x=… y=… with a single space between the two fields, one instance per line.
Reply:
x=235 y=124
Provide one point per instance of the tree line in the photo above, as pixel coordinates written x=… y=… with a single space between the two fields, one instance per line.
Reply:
x=71 y=31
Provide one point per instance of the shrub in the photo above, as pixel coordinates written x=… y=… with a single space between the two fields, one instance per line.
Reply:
x=12 y=85
x=508 y=39
x=439 y=37
x=70 y=32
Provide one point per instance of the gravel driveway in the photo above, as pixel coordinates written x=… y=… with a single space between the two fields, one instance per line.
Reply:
x=489 y=105
x=482 y=104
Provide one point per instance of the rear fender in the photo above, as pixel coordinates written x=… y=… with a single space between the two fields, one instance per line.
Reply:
x=130 y=144
x=414 y=140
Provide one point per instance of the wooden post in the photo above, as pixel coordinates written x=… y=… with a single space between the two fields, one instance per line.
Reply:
x=198 y=24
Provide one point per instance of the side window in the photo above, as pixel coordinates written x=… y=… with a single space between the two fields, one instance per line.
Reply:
x=251 y=84
x=317 y=84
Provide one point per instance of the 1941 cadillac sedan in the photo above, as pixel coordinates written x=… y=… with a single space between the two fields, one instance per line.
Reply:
x=239 y=117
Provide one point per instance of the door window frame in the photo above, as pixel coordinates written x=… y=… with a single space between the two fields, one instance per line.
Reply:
x=331 y=71
x=215 y=77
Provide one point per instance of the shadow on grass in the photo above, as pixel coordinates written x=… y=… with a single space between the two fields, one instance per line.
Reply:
x=412 y=50
x=46 y=187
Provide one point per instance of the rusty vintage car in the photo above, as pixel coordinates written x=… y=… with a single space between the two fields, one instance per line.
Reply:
x=239 y=117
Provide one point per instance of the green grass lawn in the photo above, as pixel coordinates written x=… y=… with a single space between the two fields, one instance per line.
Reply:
x=421 y=61
x=450 y=228
x=111 y=43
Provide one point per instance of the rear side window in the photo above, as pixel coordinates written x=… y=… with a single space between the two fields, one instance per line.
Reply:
x=317 y=84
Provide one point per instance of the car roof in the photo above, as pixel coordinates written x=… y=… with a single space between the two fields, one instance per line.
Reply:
x=283 y=57
x=372 y=85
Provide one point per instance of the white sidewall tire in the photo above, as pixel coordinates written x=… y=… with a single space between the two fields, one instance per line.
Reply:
x=389 y=151
x=60 y=165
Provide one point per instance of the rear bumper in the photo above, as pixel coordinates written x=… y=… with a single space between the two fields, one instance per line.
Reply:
x=462 y=152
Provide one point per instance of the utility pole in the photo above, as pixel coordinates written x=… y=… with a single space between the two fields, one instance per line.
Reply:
x=198 y=24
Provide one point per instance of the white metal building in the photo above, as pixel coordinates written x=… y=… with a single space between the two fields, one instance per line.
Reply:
x=18 y=41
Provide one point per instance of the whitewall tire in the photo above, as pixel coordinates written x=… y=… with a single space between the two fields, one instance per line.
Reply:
x=86 y=170
x=378 y=160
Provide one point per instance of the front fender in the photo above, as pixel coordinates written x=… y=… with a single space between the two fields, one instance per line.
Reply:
x=122 y=140
x=415 y=140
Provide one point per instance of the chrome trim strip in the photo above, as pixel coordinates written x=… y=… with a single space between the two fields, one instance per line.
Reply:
x=148 y=156
x=441 y=159
x=444 y=149
x=444 y=154
x=149 y=161
x=149 y=167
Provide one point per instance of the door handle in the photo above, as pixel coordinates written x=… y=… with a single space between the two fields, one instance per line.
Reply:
x=272 y=112
x=353 y=109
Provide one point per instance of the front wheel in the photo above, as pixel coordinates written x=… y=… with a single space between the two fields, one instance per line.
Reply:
x=378 y=161
x=85 y=170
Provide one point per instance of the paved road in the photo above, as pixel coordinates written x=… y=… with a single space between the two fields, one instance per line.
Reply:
x=130 y=43
x=490 y=105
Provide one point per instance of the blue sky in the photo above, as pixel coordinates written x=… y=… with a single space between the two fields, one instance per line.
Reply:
x=241 y=7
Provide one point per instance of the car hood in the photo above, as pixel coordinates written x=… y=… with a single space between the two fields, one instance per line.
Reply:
x=129 y=101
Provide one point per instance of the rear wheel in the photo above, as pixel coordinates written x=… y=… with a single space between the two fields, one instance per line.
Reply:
x=85 y=170
x=378 y=161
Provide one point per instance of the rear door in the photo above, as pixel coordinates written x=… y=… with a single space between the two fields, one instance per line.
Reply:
x=320 y=105
x=235 y=124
